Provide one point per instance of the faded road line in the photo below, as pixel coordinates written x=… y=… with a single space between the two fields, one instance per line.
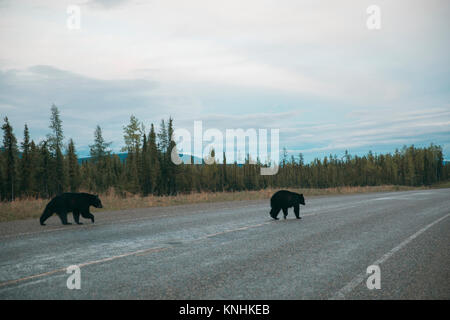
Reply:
x=139 y=252
x=233 y=230
x=361 y=277
x=106 y=223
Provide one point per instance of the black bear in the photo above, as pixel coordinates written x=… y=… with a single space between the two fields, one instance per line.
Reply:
x=71 y=202
x=282 y=200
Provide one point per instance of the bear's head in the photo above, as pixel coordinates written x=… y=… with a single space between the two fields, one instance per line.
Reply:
x=96 y=202
x=301 y=199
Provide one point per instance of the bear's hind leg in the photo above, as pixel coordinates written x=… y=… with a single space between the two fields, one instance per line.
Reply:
x=274 y=213
x=63 y=216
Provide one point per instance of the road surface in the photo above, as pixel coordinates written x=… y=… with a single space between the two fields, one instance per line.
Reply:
x=235 y=251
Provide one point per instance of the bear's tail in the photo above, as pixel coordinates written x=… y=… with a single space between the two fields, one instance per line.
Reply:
x=272 y=204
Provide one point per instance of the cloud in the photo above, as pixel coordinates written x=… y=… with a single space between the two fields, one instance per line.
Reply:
x=84 y=102
x=373 y=130
x=258 y=120
x=304 y=47
x=311 y=68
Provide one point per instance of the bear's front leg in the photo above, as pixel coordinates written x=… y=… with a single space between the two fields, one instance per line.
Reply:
x=76 y=216
x=297 y=211
x=285 y=213
x=87 y=215
x=45 y=215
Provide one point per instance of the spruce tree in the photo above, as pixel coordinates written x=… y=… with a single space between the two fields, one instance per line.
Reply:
x=155 y=168
x=34 y=164
x=73 y=167
x=26 y=165
x=146 y=169
x=10 y=155
x=55 y=144
x=43 y=170
x=100 y=148
x=172 y=170
x=132 y=137
x=2 y=179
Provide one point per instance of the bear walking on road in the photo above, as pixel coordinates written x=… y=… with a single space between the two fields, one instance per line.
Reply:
x=282 y=200
x=78 y=203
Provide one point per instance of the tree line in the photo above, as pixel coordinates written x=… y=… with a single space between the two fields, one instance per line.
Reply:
x=50 y=167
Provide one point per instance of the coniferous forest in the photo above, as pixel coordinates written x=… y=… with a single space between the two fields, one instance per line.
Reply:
x=48 y=167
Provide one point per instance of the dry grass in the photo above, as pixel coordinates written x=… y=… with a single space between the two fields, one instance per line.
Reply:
x=32 y=208
x=444 y=184
x=21 y=209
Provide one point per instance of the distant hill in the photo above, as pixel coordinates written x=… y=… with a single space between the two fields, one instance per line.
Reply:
x=124 y=155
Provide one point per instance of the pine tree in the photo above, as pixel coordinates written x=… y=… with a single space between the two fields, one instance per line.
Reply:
x=163 y=142
x=101 y=162
x=172 y=170
x=410 y=173
x=44 y=169
x=2 y=179
x=55 y=143
x=132 y=134
x=155 y=169
x=146 y=169
x=225 y=185
x=26 y=165
x=34 y=164
x=10 y=155
x=162 y=146
x=55 y=139
x=100 y=148
x=132 y=137
x=73 y=167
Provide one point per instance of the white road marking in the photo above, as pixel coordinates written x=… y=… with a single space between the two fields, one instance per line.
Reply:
x=75 y=227
x=28 y=233
x=361 y=277
x=390 y=198
x=233 y=230
x=138 y=252
x=32 y=282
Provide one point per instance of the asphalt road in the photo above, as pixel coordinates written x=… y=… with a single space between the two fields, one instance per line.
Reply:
x=235 y=251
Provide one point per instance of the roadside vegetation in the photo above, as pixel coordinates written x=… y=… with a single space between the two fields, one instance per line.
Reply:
x=30 y=208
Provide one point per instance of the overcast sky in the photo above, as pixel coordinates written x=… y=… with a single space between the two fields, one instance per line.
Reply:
x=310 y=68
